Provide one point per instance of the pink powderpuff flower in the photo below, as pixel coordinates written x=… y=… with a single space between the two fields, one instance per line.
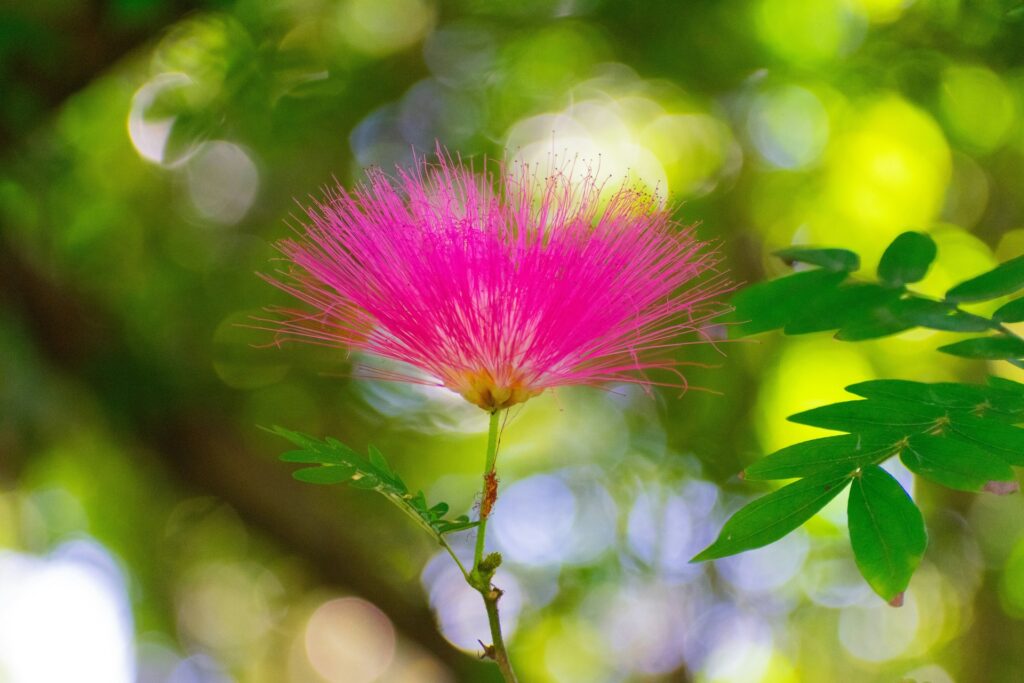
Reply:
x=500 y=287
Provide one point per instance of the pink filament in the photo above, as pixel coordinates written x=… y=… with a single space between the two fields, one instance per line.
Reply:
x=534 y=283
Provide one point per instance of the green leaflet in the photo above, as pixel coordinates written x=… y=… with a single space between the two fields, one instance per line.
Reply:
x=337 y=464
x=907 y=259
x=1003 y=440
x=886 y=531
x=771 y=517
x=1012 y=312
x=1004 y=279
x=772 y=304
x=997 y=347
x=956 y=464
x=831 y=309
x=838 y=455
x=975 y=399
x=829 y=259
x=872 y=415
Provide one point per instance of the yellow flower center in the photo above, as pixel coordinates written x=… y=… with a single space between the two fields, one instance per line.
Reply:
x=480 y=388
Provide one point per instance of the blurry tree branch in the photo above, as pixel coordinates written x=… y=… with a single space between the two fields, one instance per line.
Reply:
x=49 y=51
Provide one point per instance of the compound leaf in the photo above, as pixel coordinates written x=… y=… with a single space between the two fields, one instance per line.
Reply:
x=340 y=464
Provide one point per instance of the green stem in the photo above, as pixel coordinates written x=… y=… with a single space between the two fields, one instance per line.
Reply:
x=498 y=651
x=483 y=570
x=485 y=501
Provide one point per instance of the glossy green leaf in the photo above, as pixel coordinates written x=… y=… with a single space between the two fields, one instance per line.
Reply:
x=1003 y=440
x=832 y=454
x=956 y=464
x=770 y=305
x=998 y=347
x=1004 y=279
x=886 y=531
x=1012 y=312
x=871 y=414
x=907 y=259
x=829 y=259
x=340 y=464
x=831 y=309
x=771 y=517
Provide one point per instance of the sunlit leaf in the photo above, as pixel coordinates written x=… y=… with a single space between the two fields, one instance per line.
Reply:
x=771 y=517
x=997 y=347
x=837 y=455
x=907 y=259
x=770 y=305
x=1004 y=279
x=886 y=531
x=956 y=464
x=829 y=259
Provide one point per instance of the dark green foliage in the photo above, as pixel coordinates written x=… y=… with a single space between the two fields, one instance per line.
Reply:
x=962 y=436
x=886 y=531
x=907 y=259
x=337 y=463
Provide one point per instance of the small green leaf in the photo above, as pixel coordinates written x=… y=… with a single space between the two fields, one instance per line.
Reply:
x=327 y=474
x=936 y=315
x=832 y=454
x=1004 y=279
x=833 y=308
x=829 y=259
x=956 y=464
x=1012 y=312
x=871 y=414
x=1003 y=440
x=907 y=259
x=886 y=531
x=770 y=305
x=377 y=460
x=771 y=517
x=998 y=347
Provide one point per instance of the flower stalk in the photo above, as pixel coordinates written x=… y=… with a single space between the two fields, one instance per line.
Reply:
x=485 y=567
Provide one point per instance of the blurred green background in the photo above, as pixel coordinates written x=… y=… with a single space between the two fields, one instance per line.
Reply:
x=150 y=152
